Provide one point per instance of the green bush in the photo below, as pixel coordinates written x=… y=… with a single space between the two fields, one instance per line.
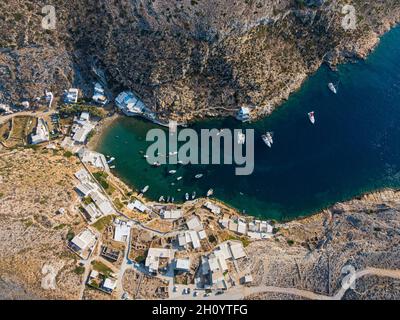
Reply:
x=79 y=270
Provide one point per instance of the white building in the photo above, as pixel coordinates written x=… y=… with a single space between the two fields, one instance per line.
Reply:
x=82 y=128
x=237 y=250
x=109 y=285
x=153 y=258
x=71 y=96
x=194 y=223
x=171 y=214
x=241 y=227
x=99 y=94
x=83 y=176
x=246 y=279
x=243 y=114
x=41 y=133
x=92 y=212
x=137 y=205
x=102 y=203
x=96 y=159
x=129 y=104
x=83 y=242
x=6 y=109
x=213 y=208
x=86 y=188
x=122 y=230
x=183 y=265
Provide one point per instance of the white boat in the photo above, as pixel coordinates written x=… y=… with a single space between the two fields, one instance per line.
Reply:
x=332 y=87
x=145 y=156
x=311 y=116
x=172 y=171
x=199 y=176
x=173 y=199
x=112 y=167
x=156 y=164
x=145 y=189
x=179 y=178
x=187 y=196
x=194 y=195
x=161 y=199
x=210 y=192
x=168 y=199
x=111 y=160
x=241 y=138
x=267 y=138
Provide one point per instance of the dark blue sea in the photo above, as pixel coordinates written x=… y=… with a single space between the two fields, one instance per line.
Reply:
x=353 y=148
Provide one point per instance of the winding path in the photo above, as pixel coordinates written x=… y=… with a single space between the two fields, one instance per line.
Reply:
x=244 y=292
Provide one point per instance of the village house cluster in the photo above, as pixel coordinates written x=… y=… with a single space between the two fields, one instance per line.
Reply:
x=197 y=246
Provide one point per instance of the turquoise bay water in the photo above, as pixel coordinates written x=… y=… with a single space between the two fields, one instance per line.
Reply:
x=353 y=148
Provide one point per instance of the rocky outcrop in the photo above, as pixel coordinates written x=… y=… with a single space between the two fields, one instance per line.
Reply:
x=314 y=254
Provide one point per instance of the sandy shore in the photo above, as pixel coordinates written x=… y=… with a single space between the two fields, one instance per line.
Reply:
x=101 y=129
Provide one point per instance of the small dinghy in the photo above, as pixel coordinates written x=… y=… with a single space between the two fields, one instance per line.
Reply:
x=311 y=116
x=332 y=87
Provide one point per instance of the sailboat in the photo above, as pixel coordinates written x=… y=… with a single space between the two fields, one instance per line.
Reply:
x=267 y=138
x=332 y=87
x=311 y=117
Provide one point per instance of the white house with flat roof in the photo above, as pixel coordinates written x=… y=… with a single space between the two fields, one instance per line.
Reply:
x=99 y=94
x=109 y=285
x=71 y=96
x=212 y=207
x=171 y=214
x=93 y=158
x=153 y=258
x=92 y=211
x=41 y=133
x=129 y=104
x=137 y=205
x=182 y=265
x=194 y=223
x=243 y=114
x=83 y=242
x=122 y=230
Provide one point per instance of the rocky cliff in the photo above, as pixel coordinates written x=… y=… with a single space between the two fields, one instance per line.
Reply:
x=185 y=58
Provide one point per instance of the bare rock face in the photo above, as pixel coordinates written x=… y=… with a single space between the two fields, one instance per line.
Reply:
x=357 y=235
x=186 y=58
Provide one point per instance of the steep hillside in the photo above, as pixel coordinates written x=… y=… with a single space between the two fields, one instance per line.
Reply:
x=185 y=58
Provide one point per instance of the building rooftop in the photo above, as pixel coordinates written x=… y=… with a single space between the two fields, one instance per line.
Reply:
x=84 y=240
x=183 y=264
x=122 y=230
x=194 y=223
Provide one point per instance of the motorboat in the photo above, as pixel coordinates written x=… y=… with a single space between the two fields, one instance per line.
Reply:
x=311 y=116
